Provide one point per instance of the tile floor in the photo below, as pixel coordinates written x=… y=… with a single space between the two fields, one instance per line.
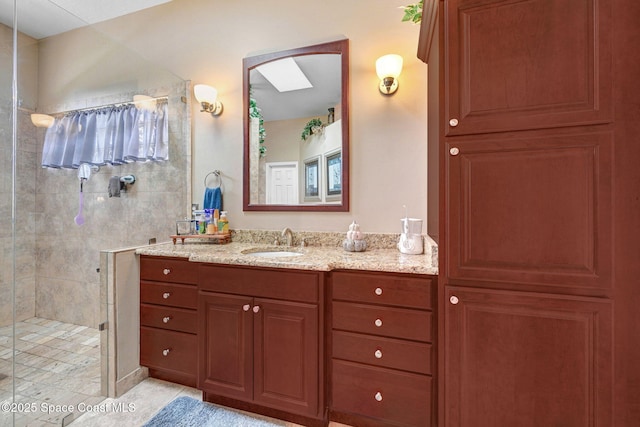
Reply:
x=55 y=364
x=58 y=364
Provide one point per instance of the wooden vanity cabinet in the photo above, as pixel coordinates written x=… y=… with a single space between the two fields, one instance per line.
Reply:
x=168 y=318
x=261 y=341
x=534 y=138
x=382 y=349
x=508 y=351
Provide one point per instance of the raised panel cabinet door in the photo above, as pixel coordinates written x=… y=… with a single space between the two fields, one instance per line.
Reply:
x=514 y=65
x=526 y=359
x=287 y=356
x=533 y=210
x=226 y=345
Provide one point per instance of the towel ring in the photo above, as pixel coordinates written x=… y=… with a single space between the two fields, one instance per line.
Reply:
x=215 y=173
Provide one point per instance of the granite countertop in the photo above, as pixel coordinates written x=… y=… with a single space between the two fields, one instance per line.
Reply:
x=321 y=258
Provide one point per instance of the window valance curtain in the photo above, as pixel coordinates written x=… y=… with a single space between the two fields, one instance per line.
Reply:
x=112 y=135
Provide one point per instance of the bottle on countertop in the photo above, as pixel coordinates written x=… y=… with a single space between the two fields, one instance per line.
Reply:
x=223 y=223
x=198 y=220
x=202 y=224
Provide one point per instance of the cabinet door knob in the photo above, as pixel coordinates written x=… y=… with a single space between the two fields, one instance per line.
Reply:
x=378 y=397
x=454 y=300
x=246 y=307
x=378 y=322
x=165 y=352
x=453 y=123
x=256 y=308
x=166 y=295
x=166 y=271
x=378 y=291
x=166 y=319
x=454 y=151
x=378 y=354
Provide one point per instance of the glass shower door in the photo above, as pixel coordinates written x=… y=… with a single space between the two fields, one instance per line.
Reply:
x=8 y=164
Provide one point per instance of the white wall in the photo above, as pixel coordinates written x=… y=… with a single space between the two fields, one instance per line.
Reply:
x=205 y=41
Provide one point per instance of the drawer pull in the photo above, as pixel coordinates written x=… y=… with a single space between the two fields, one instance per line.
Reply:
x=378 y=354
x=454 y=300
x=378 y=322
x=166 y=295
x=165 y=352
x=378 y=291
x=166 y=319
x=246 y=307
x=256 y=308
x=378 y=397
x=166 y=271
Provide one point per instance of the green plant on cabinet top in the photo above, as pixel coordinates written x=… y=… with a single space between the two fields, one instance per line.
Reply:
x=310 y=128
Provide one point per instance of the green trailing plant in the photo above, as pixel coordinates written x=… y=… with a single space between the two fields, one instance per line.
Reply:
x=255 y=112
x=413 y=12
x=308 y=128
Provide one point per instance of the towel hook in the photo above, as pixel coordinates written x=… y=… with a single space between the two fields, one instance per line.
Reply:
x=217 y=174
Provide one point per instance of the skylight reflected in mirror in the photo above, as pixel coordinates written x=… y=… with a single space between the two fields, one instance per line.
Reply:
x=285 y=75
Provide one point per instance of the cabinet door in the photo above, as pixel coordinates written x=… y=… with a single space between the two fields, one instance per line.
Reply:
x=526 y=359
x=534 y=210
x=286 y=355
x=513 y=65
x=226 y=346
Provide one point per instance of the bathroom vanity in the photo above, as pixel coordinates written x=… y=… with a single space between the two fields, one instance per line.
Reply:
x=168 y=319
x=326 y=335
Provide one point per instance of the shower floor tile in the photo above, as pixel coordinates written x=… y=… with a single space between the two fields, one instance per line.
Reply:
x=56 y=364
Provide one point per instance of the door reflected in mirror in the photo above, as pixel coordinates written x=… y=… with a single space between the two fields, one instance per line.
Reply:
x=296 y=129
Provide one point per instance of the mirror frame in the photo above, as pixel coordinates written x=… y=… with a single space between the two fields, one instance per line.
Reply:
x=340 y=47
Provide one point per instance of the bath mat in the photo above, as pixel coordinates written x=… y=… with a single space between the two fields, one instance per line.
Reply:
x=187 y=412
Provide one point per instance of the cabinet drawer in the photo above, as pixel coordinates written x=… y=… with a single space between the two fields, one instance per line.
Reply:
x=384 y=321
x=293 y=285
x=399 y=398
x=175 y=270
x=176 y=319
x=379 y=351
x=182 y=354
x=174 y=295
x=379 y=288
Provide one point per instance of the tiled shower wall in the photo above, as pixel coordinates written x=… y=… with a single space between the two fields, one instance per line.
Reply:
x=56 y=260
x=67 y=255
x=25 y=239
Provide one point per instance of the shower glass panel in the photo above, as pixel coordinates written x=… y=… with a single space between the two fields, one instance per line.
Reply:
x=56 y=329
x=8 y=140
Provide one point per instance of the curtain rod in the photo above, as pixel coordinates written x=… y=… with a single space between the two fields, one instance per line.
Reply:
x=117 y=104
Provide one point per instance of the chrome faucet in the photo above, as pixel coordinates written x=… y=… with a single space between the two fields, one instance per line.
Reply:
x=288 y=234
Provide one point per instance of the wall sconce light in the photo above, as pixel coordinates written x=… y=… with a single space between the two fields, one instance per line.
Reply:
x=42 y=120
x=207 y=96
x=389 y=68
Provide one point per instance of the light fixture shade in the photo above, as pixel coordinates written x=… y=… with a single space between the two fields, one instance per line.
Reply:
x=42 y=120
x=205 y=93
x=389 y=66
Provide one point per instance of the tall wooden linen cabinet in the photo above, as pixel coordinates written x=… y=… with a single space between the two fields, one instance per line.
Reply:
x=534 y=174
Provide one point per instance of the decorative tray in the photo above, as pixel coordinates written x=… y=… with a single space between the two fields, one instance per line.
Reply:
x=218 y=238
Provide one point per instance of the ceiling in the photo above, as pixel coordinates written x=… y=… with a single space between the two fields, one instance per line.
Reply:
x=44 y=18
x=324 y=71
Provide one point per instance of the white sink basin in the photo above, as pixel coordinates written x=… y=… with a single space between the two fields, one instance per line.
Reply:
x=272 y=253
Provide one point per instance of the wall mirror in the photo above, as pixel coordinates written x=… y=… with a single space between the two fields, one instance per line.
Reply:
x=296 y=129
